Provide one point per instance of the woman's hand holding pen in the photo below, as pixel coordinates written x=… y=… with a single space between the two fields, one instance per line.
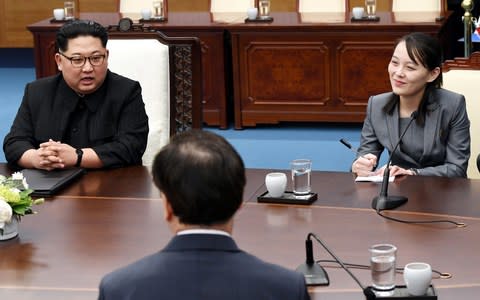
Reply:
x=364 y=165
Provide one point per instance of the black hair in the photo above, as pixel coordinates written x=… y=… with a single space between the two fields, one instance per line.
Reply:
x=425 y=50
x=76 y=28
x=202 y=176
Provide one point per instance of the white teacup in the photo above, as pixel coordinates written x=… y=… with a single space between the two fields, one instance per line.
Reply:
x=276 y=183
x=59 y=14
x=417 y=276
x=358 y=12
x=146 y=13
x=252 y=13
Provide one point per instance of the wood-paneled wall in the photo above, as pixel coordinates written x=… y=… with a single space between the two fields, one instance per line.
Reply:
x=16 y=15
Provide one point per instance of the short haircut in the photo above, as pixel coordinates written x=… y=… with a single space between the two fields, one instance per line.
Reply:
x=202 y=176
x=76 y=28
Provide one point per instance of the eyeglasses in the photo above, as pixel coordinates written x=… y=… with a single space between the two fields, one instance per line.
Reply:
x=79 y=61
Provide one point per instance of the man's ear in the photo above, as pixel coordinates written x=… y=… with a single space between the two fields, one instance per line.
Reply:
x=58 y=61
x=167 y=208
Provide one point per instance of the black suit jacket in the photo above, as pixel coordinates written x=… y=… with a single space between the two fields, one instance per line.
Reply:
x=117 y=126
x=202 y=266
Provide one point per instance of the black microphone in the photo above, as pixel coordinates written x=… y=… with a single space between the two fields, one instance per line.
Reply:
x=367 y=291
x=383 y=201
x=313 y=272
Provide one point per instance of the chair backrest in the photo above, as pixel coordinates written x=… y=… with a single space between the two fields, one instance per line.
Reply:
x=134 y=6
x=169 y=72
x=462 y=75
x=417 y=5
x=322 y=6
x=217 y=6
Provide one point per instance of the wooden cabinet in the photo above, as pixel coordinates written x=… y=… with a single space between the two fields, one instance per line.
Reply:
x=313 y=72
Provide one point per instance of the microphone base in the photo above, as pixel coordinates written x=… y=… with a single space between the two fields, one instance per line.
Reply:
x=400 y=293
x=314 y=274
x=388 y=202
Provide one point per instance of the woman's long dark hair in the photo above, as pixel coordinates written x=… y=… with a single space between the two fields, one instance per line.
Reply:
x=424 y=50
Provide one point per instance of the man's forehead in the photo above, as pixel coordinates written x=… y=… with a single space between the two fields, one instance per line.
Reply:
x=84 y=42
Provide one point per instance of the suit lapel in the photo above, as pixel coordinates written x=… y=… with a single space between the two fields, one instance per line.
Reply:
x=392 y=124
x=431 y=124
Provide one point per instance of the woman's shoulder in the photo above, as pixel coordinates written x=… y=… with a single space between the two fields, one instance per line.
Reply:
x=381 y=99
x=442 y=93
x=447 y=97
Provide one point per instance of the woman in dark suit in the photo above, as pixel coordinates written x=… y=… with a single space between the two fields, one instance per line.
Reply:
x=438 y=142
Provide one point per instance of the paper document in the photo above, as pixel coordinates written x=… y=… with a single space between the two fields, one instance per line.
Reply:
x=376 y=178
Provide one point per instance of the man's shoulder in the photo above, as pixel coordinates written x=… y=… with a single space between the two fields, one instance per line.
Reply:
x=117 y=78
x=45 y=82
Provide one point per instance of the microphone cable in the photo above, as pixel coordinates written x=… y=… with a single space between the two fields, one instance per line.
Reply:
x=441 y=275
x=457 y=224
x=367 y=291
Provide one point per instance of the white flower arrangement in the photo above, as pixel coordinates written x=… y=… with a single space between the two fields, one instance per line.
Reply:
x=15 y=199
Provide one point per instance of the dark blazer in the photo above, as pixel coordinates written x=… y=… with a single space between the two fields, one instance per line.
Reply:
x=202 y=266
x=117 y=126
x=446 y=142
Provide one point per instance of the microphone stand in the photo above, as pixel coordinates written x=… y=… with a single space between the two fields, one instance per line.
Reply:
x=401 y=294
x=313 y=272
x=383 y=201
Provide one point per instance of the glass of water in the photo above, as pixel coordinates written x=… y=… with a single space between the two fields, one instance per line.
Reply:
x=69 y=7
x=301 y=173
x=264 y=8
x=371 y=6
x=158 y=9
x=382 y=263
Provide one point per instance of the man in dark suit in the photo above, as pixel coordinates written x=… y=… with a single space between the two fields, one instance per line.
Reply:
x=85 y=116
x=201 y=179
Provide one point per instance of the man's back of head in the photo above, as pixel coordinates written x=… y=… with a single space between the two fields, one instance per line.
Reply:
x=202 y=177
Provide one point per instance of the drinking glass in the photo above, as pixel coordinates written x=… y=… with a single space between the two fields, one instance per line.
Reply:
x=158 y=10
x=382 y=262
x=264 y=8
x=69 y=7
x=301 y=172
x=371 y=6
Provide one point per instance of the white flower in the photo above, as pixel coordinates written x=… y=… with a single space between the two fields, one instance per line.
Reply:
x=25 y=184
x=5 y=212
x=17 y=176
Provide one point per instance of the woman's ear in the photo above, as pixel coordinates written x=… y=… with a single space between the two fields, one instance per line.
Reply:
x=434 y=74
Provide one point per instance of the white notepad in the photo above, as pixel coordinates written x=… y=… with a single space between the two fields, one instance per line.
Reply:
x=376 y=178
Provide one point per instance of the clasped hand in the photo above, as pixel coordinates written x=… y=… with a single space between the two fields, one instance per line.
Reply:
x=54 y=155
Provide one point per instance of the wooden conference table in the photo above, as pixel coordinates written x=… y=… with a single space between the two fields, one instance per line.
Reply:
x=316 y=67
x=110 y=218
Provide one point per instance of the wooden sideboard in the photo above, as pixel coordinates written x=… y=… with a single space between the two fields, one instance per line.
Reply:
x=303 y=68
x=299 y=68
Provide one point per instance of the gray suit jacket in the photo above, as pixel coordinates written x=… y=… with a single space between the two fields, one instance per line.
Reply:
x=446 y=142
x=202 y=266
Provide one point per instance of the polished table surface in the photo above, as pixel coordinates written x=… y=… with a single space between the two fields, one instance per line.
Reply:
x=110 y=218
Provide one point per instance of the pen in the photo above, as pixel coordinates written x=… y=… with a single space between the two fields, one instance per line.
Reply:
x=349 y=146
x=355 y=150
